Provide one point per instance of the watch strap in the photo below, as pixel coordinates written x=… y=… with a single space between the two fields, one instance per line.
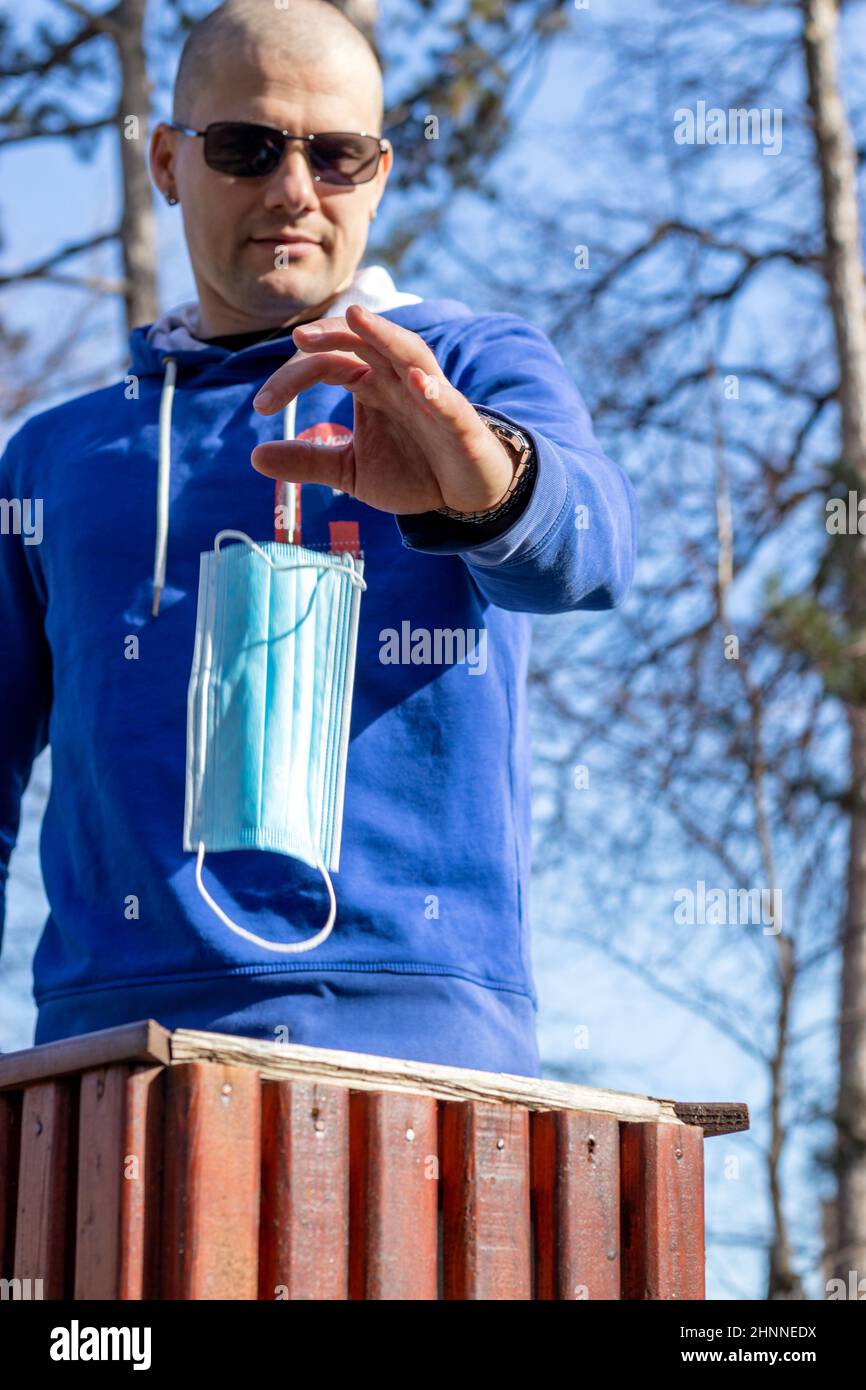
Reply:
x=522 y=452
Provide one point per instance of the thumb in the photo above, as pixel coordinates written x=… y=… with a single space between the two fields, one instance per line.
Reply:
x=302 y=461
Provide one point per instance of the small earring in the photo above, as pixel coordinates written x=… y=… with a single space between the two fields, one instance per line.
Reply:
x=170 y=199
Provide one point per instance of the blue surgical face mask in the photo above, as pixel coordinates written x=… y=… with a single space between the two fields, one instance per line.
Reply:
x=270 y=699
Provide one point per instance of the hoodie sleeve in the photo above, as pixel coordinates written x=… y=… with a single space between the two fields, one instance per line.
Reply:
x=25 y=658
x=573 y=545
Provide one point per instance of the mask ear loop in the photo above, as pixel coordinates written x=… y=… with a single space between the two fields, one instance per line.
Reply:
x=349 y=565
x=281 y=946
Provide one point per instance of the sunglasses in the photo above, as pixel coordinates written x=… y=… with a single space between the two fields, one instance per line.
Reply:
x=249 y=151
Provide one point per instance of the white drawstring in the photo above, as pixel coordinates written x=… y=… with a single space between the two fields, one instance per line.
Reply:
x=283 y=946
x=162 y=480
x=291 y=490
x=163 y=477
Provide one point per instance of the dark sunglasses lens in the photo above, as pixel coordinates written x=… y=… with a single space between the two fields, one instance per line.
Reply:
x=345 y=158
x=246 y=151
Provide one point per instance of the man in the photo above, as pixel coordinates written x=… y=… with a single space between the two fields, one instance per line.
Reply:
x=466 y=528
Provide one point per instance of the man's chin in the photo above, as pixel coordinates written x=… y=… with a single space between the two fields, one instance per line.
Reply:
x=285 y=290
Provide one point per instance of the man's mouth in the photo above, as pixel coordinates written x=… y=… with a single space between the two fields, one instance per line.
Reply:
x=291 y=245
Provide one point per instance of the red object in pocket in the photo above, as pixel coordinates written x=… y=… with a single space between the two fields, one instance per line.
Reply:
x=345 y=538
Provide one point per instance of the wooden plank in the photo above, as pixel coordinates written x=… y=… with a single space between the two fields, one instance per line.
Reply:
x=101 y=1114
x=575 y=1183
x=117 y=1210
x=10 y=1145
x=713 y=1116
x=485 y=1201
x=394 y=1196
x=118 y=1183
x=363 y=1071
x=304 y=1232
x=46 y=1184
x=662 y=1180
x=146 y=1041
x=141 y=1189
x=212 y=1182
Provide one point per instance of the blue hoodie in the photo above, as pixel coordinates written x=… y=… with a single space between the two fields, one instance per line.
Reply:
x=430 y=955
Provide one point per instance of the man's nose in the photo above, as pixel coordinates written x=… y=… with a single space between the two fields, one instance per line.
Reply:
x=292 y=184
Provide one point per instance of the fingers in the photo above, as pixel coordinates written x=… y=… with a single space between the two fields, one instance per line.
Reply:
x=300 y=461
x=341 y=338
x=439 y=399
x=409 y=356
x=402 y=347
x=334 y=368
x=326 y=336
x=363 y=339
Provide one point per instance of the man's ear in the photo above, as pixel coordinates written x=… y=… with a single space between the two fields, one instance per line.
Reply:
x=386 y=164
x=163 y=144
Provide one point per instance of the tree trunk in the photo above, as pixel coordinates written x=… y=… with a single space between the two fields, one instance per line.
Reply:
x=844 y=274
x=138 y=225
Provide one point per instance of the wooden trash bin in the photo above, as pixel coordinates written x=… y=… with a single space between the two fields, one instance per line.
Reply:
x=136 y=1163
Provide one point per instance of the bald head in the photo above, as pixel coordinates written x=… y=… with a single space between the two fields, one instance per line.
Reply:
x=301 y=33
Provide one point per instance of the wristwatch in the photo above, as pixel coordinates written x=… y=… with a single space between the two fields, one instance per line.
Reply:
x=522 y=454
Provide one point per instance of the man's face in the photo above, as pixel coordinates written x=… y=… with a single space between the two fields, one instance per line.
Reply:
x=246 y=274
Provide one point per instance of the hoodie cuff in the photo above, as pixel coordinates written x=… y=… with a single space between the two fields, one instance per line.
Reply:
x=490 y=543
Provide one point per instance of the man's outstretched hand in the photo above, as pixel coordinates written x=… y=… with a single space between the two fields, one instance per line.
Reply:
x=417 y=443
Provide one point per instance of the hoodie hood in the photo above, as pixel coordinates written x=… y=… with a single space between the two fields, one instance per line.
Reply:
x=174 y=333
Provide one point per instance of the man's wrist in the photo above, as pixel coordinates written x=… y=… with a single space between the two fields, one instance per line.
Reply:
x=520 y=449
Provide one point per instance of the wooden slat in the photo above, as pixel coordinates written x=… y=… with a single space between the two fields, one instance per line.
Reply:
x=304 y=1234
x=101 y=1114
x=119 y=1154
x=485 y=1201
x=394 y=1196
x=662 y=1180
x=575 y=1182
x=46 y=1184
x=146 y=1041
x=141 y=1190
x=362 y=1071
x=10 y=1144
x=212 y=1182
